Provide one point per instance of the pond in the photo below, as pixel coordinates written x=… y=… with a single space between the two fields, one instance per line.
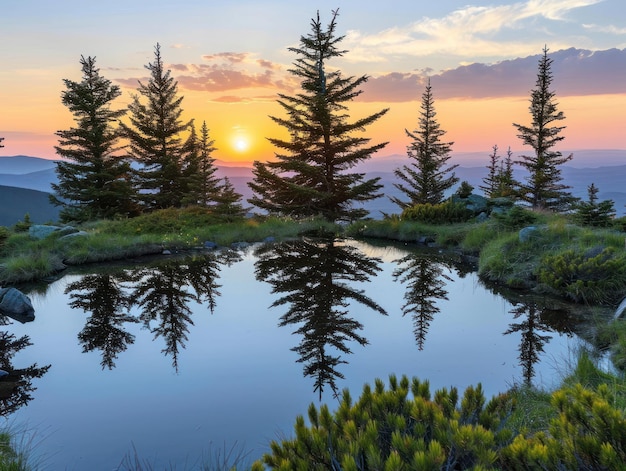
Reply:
x=180 y=358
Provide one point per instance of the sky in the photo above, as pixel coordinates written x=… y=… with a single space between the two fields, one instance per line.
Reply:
x=231 y=58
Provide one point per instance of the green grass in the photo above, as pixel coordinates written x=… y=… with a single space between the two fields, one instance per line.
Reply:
x=23 y=259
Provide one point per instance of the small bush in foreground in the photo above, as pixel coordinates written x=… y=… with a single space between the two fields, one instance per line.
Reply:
x=386 y=429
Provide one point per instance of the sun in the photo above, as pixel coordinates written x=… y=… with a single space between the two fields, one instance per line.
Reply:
x=241 y=144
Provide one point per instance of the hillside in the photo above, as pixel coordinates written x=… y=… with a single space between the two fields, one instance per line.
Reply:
x=16 y=202
x=37 y=174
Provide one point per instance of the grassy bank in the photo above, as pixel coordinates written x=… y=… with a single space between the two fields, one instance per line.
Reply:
x=542 y=252
x=24 y=259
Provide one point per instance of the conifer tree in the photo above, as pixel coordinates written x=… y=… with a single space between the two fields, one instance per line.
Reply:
x=592 y=212
x=490 y=182
x=543 y=188
x=155 y=138
x=428 y=176
x=311 y=173
x=199 y=168
x=507 y=184
x=1 y=144
x=226 y=201
x=92 y=182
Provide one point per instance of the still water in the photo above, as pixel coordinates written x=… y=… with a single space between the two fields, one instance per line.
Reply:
x=180 y=357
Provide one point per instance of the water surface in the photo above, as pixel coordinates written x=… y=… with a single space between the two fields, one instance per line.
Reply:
x=180 y=357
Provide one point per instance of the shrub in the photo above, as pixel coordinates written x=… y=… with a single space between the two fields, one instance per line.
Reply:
x=442 y=213
x=515 y=218
x=4 y=235
x=386 y=429
x=23 y=226
x=464 y=189
x=593 y=276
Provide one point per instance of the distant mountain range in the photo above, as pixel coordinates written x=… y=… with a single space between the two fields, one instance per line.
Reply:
x=25 y=181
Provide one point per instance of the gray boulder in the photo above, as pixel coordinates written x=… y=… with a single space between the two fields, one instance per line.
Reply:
x=528 y=233
x=41 y=231
x=16 y=305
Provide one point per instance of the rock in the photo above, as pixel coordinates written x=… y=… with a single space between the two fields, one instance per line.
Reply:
x=16 y=305
x=527 y=233
x=40 y=231
x=269 y=239
x=482 y=217
x=166 y=252
x=210 y=245
x=476 y=203
x=74 y=234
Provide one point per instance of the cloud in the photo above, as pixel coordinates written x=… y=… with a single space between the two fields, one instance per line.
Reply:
x=232 y=57
x=610 y=29
x=576 y=72
x=469 y=32
x=225 y=71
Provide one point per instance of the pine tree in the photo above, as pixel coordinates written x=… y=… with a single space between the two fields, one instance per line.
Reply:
x=155 y=138
x=592 y=212
x=543 y=188
x=92 y=182
x=427 y=177
x=310 y=176
x=199 y=168
x=506 y=181
x=226 y=201
x=491 y=181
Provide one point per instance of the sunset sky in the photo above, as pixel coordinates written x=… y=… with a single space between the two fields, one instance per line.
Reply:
x=230 y=58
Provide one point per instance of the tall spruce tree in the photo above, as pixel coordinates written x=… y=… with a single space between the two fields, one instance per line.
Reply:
x=428 y=176
x=155 y=138
x=543 y=188
x=311 y=173
x=92 y=183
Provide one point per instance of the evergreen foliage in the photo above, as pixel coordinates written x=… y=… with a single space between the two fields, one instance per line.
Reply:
x=427 y=177
x=448 y=212
x=592 y=212
x=543 y=188
x=388 y=429
x=310 y=176
x=155 y=139
x=499 y=181
x=199 y=168
x=227 y=202
x=596 y=276
x=92 y=183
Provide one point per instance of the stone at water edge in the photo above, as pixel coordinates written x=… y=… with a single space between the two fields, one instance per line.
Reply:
x=16 y=305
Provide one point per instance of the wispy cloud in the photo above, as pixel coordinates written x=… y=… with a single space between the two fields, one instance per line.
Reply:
x=226 y=71
x=609 y=29
x=469 y=32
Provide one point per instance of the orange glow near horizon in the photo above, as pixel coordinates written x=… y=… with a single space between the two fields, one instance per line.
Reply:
x=240 y=130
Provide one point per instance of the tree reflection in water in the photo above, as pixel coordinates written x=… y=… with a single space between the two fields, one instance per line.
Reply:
x=426 y=279
x=533 y=330
x=162 y=291
x=15 y=386
x=104 y=296
x=313 y=277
